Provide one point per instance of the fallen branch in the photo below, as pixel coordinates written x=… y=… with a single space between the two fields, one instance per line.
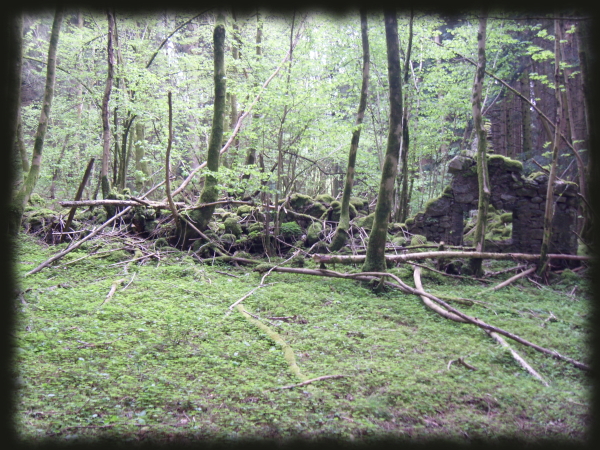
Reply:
x=451 y=275
x=135 y=202
x=312 y=380
x=248 y=295
x=509 y=281
x=431 y=305
x=112 y=291
x=462 y=362
x=517 y=357
x=357 y=259
x=288 y=353
x=510 y=269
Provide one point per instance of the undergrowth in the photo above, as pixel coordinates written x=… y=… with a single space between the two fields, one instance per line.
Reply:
x=165 y=358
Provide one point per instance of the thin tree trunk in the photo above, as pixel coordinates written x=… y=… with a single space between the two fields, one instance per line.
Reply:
x=26 y=190
x=375 y=258
x=105 y=110
x=549 y=211
x=403 y=203
x=341 y=234
x=210 y=192
x=482 y=170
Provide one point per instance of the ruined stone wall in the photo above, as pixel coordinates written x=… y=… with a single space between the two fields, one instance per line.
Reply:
x=443 y=218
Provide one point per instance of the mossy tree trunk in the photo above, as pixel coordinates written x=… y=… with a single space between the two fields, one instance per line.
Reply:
x=105 y=111
x=403 y=203
x=482 y=169
x=341 y=234
x=141 y=166
x=375 y=258
x=549 y=210
x=202 y=215
x=19 y=160
x=22 y=196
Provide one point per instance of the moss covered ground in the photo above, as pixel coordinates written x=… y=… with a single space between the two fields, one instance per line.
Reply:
x=164 y=358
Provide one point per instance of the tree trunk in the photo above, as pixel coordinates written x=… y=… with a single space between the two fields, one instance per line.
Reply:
x=549 y=211
x=403 y=204
x=210 y=192
x=482 y=170
x=22 y=197
x=141 y=166
x=105 y=111
x=341 y=234
x=375 y=258
x=19 y=160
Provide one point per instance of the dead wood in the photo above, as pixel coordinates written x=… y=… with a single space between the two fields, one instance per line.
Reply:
x=510 y=280
x=431 y=305
x=77 y=244
x=123 y=203
x=510 y=269
x=517 y=357
x=358 y=259
x=451 y=275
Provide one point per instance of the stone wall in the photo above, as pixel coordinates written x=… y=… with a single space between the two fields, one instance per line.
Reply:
x=443 y=218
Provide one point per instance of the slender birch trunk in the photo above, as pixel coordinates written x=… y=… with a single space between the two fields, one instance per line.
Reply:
x=549 y=211
x=341 y=234
x=482 y=170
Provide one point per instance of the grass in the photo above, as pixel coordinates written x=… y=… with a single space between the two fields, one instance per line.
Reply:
x=164 y=359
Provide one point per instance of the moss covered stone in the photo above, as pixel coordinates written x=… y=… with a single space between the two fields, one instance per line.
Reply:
x=228 y=238
x=290 y=229
x=358 y=202
x=324 y=198
x=506 y=217
x=511 y=164
x=232 y=226
x=243 y=210
x=299 y=201
x=316 y=210
x=312 y=234
x=366 y=222
x=418 y=239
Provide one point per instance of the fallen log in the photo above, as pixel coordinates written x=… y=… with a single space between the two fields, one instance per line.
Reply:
x=357 y=259
x=150 y=203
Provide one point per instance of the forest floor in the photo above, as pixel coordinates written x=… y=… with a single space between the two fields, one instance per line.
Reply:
x=164 y=358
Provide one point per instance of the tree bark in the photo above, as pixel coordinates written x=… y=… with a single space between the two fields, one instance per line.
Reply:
x=22 y=197
x=375 y=258
x=341 y=233
x=482 y=170
x=549 y=211
x=105 y=110
x=210 y=193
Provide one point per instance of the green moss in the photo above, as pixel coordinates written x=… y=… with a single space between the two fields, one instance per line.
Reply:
x=232 y=226
x=36 y=200
x=312 y=234
x=299 y=201
x=409 y=222
x=243 y=210
x=290 y=229
x=324 y=198
x=399 y=240
x=508 y=162
x=358 y=202
x=256 y=226
x=506 y=217
x=228 y=238
x=316 y=210
x=366 y=222
x=418 y=239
